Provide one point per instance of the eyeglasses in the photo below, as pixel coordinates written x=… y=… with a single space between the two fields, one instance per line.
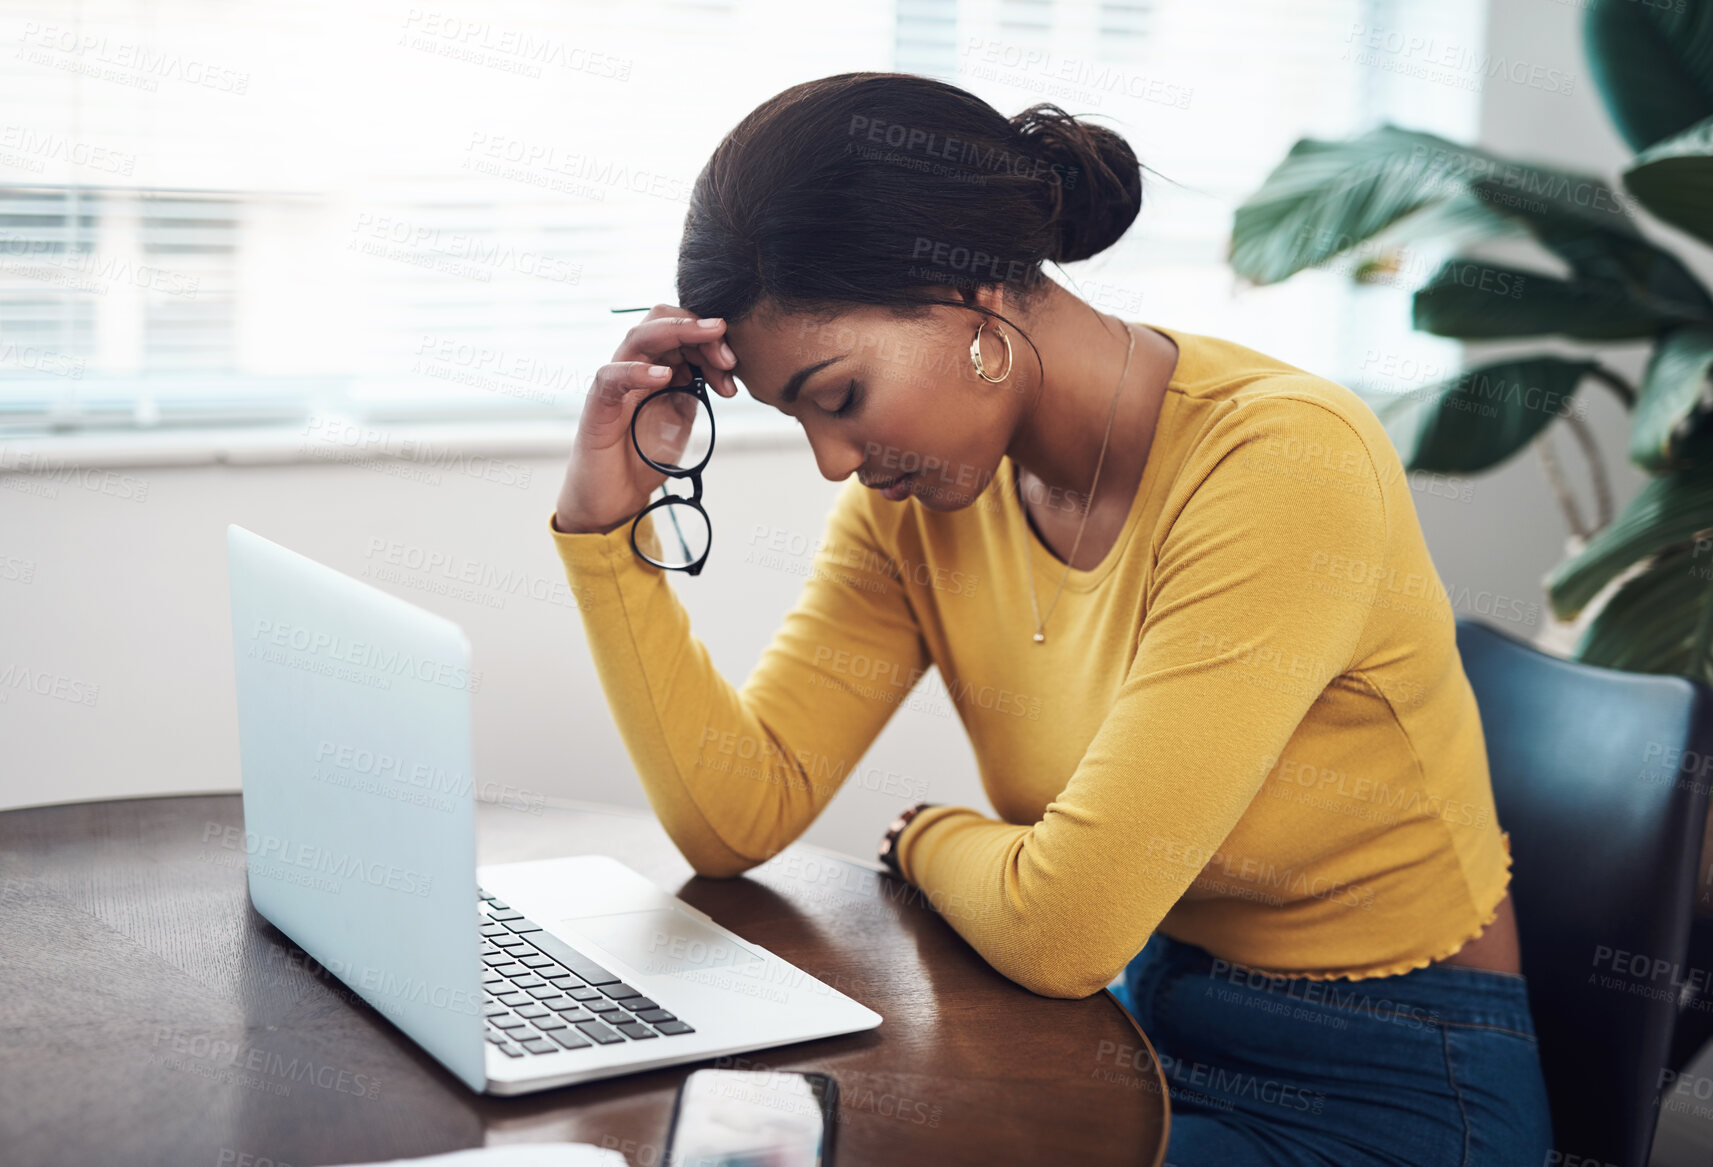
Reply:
x=667 y=428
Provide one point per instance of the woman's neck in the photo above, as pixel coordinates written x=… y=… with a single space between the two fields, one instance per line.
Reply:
x=1059 y=435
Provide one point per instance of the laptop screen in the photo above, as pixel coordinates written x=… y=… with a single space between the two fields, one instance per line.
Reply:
x=359 y=802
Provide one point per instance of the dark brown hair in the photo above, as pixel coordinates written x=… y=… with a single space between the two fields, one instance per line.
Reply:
x=897 y=190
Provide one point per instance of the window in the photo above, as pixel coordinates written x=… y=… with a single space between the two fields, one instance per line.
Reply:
x=217 y=214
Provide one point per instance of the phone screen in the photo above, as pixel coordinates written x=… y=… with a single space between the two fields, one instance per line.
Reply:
x=753 y=1118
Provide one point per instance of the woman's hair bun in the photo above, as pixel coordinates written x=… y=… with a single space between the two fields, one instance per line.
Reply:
x=1095 y=192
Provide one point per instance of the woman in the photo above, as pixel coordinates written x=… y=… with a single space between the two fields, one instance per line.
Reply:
x=1232 y=746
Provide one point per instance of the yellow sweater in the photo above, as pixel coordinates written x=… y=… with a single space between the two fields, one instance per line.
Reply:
x=1248 y=728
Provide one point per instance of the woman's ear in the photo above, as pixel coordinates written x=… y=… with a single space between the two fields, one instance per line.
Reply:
x=989 y=296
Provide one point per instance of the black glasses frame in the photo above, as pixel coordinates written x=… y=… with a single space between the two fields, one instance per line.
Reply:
x=698 y=388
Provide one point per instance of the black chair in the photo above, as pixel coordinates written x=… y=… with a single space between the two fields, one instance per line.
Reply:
x=1606 y=822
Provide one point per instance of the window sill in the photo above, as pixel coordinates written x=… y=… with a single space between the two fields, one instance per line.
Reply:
x=340 y=440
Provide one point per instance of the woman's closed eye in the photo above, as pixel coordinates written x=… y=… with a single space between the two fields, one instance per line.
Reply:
x=853 y=398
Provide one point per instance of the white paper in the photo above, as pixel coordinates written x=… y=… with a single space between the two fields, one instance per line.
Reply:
x=516 y=1155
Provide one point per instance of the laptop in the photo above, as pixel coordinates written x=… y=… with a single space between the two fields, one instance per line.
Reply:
x=359 y=824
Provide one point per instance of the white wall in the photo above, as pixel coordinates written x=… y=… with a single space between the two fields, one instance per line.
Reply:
x=129 y=597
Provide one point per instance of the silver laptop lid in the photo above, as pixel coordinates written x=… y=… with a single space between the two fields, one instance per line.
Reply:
x=359 y=806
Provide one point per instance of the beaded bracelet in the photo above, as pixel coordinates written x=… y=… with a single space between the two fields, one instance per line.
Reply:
x=889 y=843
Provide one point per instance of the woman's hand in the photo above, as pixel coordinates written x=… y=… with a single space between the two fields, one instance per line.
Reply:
x=606 y=484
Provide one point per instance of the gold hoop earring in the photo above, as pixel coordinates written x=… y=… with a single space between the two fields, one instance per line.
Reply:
x=975 y=353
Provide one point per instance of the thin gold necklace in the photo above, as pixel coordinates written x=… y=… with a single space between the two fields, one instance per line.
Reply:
x=1088 y=504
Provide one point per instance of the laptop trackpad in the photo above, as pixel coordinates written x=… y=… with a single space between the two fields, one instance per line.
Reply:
x=663 y=941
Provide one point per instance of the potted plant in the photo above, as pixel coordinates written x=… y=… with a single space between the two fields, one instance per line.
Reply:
x=1638 y=585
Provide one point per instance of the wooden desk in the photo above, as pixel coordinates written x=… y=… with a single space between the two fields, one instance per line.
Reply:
x=149 y=1015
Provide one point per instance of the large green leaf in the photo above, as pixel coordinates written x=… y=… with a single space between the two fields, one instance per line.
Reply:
x=1473 y=298
x=1648 y=624
x=1584 y=222
x=1483 y=416
x=1671 y=388
x=1653 y=65
x=1669 y=509
x=1459 y=219
x=1327 y=197
x=1674 y=179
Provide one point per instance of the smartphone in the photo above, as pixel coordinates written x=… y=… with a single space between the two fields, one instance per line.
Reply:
x=753 y=1118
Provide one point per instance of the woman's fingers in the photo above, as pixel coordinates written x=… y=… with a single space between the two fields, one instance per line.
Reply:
x=675 y=338
x=604 y=480
x=613 y=393
x=715 y=359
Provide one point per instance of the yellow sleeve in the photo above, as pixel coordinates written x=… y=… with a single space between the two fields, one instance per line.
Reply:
x=735 y=775
x=1240 y=635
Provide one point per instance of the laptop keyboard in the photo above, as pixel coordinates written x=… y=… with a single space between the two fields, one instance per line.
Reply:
x=541 y=996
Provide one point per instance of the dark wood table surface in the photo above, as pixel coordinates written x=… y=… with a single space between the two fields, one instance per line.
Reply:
x=148 y=1015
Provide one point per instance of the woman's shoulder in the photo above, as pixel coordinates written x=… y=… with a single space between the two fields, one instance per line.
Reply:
x=1221 y=379
x=1230 y=395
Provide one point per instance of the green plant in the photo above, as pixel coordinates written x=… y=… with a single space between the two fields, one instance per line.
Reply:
x=1654 y=70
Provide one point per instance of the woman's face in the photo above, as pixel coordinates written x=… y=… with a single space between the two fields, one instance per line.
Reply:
x=885 y=397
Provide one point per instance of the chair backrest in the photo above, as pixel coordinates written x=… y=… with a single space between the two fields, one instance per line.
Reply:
x=1601 y=778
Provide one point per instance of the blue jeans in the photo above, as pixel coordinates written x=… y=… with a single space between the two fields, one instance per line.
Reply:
x=1438 y=1067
